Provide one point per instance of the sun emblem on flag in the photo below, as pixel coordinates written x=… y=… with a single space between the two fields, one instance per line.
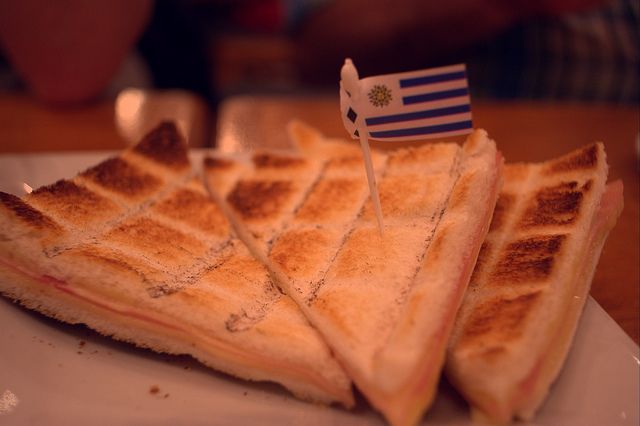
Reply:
x=380 y=95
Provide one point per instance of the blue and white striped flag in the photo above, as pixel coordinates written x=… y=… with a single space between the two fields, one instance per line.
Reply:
x=411 y=105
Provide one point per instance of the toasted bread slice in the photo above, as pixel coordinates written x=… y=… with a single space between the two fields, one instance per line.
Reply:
x=135 y=249
x=531 y=281
x=384 y=303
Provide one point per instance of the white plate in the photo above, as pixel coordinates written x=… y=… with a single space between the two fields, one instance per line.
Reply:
x=55 y=374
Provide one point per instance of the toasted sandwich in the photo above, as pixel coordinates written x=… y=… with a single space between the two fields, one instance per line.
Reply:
x=385 y=303
x=135 y=249
x=531 y=281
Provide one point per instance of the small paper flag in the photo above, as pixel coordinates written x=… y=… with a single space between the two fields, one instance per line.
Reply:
x=429 y=103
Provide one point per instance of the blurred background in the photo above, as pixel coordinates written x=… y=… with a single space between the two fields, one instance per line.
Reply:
x=72 y=53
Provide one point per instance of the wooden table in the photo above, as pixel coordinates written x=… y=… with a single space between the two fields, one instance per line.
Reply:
x=524 y=131
x=28 y=126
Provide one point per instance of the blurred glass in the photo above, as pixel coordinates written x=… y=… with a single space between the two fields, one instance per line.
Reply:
x=138 y=111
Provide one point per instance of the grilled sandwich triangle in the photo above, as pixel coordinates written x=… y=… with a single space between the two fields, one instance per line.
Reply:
x=385 y=303
x=531 y=282
x=135 y=249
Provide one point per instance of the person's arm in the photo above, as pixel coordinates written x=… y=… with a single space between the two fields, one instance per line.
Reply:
x=67 y=51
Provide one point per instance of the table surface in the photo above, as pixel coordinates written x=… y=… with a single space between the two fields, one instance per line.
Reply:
x=524 y=131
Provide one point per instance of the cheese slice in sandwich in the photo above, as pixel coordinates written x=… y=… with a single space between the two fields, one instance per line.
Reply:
x=384 y=303
x=135 y=249
x=531 y=281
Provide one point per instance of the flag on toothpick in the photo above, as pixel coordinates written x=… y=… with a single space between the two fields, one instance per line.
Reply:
x=423 y=104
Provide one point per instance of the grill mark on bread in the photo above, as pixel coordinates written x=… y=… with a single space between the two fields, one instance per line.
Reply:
x=243 y=281
x=165 y=284
x=180 y=283
x=275 y=161
x=498 y=320
x=249 y=316
x=164 y=145
x=332 y=162
x=365 y=250
x=312 y=204
x=326 y=197
x=123 y=178
x=28 y=214
x=454 y=175
x=362 y=254
x=241 y=321
x=110 y=219
x=290 y=251
x=481 y=264
x=301 y=252
x=555 y=205
x=433 y=249
x=258 y=199
x=311 y=189
x=267 y=197
x=215 y=257
x=527 y=260
x=62 y=188
x=501 y=212
x=195 y=209
x=155 y=240
x=316 y=286
x=72 y=202
x=314 y=289
x=435 y=242
x=582 y=159
x=115 y=258
x=172 y=281
x=507 y=212
x=522 y=283
x=161 y=290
